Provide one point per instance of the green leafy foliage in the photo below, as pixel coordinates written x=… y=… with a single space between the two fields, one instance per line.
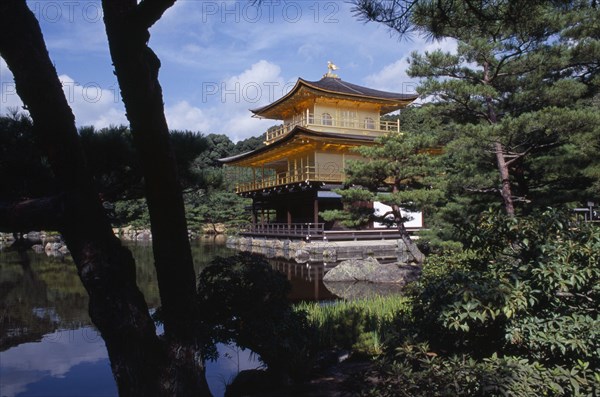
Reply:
x=113 y=162
x=23 y=170
x=217 y=207
x=357 y=212
x=416 y=371
x=517 y=313
x=118 y=176
x=132 y=212
x=402 y=165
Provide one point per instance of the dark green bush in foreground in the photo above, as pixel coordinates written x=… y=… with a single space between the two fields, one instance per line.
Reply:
x=516 y=314
x=244 y=300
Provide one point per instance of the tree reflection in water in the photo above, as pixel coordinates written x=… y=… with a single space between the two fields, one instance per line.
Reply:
x=48 y=345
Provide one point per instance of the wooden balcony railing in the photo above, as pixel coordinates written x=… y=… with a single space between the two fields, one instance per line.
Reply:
x=297 y=230
x=366 y=126
x=331 y=173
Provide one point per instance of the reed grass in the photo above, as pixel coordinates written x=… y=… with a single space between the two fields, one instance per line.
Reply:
x=361 y=325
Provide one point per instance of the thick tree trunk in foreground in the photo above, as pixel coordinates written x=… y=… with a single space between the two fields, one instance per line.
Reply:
x=137 y=67
x=143 y=365
x=106 y=269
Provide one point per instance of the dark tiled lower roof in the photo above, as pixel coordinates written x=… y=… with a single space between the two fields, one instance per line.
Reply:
x=291 y=135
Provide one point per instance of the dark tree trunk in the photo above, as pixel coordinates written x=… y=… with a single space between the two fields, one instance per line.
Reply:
x=505 y=188
x=107 y=270
x=410 y=244
x=498 y=148
x=404 y=236
x=137 y=67
x=143 y=364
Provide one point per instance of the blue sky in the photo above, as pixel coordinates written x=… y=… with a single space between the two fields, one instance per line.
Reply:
x=220 y=58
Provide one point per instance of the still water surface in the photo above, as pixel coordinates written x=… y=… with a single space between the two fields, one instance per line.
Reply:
x=48 y=346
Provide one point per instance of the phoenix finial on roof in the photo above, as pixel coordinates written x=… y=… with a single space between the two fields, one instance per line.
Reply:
x=330 y=68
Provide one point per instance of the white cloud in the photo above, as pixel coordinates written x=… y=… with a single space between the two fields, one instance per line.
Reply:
x=92 y=104
x=112 y=117
x=221 y=58
x=183 y=116
x=242 y=126
x=231 y=361
x=55 y=356
x=224 y=106
x=392 y=77
x=446 y=45
x=259 y=85
x=8 y=93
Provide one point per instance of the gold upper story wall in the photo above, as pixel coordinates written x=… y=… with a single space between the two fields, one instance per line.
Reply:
x=334 y=106
x=335 y=116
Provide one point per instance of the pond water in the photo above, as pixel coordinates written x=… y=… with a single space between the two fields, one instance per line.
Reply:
x=48 y=346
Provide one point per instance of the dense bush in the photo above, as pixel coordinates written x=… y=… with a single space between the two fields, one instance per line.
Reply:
x=517 y=314
x=416 y=371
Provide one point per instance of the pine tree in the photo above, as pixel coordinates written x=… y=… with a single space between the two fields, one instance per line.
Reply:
x=516 y=92
x=402 y=162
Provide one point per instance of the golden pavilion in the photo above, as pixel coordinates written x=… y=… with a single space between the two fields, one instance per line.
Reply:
x=292 y=177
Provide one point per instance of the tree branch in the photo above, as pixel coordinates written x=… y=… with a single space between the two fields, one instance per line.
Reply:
x=148 y=12
x=516 y=156
x=483 y=190
x=36 y=214
x=395 y=14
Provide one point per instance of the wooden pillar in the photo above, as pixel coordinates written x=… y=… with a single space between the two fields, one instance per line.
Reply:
x=289 y=215
x=316 y=208
x=295 y=170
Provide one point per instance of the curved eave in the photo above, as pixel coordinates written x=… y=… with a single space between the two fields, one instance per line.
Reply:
x=388 y=101
x=297 y=132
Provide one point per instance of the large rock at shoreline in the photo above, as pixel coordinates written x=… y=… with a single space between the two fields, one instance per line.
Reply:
x=371 y=270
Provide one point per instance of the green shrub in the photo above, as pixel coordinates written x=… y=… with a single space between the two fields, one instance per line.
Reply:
x=132 y=212
x=517 y=313
x=416 y=371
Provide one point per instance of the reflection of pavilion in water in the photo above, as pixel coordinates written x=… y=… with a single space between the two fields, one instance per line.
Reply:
x=306 y=280
x=308 y=285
